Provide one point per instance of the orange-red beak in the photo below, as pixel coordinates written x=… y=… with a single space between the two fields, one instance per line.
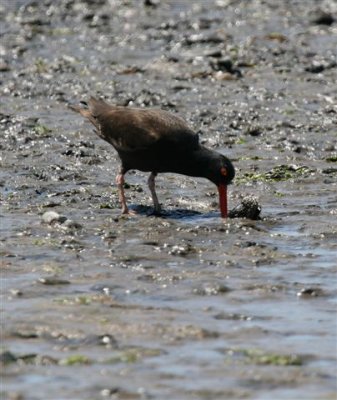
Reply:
x=222 y=188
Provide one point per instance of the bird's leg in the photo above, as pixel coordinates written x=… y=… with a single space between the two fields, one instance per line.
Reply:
x=152 y=187
x=120 y=186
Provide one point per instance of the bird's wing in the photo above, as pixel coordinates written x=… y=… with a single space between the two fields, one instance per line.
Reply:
x=130 y=129
x=136 y=129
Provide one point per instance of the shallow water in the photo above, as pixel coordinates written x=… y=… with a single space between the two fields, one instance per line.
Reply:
x=183 y=306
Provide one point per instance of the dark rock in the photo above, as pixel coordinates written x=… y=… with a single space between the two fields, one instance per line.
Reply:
x=225 y=65
x=151 y=3
x=310 y=292
x=324 y=18
x=203 y=38
x=315 y=68
x=6 y=357
x=253 y=131
x=249 y=208
x=329 y=171
x=215 y=54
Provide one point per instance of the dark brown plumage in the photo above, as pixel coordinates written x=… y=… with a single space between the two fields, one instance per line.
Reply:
x=155 y=141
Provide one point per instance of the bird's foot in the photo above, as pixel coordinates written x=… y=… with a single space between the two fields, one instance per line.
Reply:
x=127 y=211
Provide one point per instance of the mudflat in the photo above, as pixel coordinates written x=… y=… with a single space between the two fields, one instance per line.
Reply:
x=96 y=305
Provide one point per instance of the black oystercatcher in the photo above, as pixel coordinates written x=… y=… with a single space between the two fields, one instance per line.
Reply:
x=154 y=140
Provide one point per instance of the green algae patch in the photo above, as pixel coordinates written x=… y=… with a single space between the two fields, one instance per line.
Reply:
x=107 y=206
x=133 y=355
x=260 y=357
x=127 y=356
x=85 y=300
x=42 y=130
x=75 y=359
x=46 y=242
x=279 y=173
x=241 y=140
x=41 y=66
x=277 y=36
x=82 y=300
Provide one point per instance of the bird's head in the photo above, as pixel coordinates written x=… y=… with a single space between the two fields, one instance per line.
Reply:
x=225 y=172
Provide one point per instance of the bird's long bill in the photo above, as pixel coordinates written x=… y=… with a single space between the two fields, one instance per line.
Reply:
x=223 y=200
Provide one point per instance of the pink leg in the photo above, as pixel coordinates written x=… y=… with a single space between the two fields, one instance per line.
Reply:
x=122 y=199
x=152 y=187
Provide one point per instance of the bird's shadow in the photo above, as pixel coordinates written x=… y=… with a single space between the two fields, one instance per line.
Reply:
x=175 y=213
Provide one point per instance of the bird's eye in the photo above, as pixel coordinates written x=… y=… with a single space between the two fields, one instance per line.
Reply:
x=223 y=171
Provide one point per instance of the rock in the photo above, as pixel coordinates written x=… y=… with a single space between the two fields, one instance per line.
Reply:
x=222 y=64
x=224 y=76
x=52 y=280
x=225 y=65
x=253 y=131
x=249 y=208
x=211 y=289
x=6 y=357
x=315 y=68
x=277 y=36
x=50 y=217
x=329 y=171
x=4 y=67
x=16 y=292
x=214 y=53
x=324 y=18
x=182 y=250
x=70 y=224
x=151 y=3
x=310 y=292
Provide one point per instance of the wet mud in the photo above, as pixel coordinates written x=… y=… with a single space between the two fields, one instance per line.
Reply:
x=96 y=305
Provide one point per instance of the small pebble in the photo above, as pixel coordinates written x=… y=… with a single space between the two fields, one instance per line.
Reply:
x=310 y=292
x=16 y=292
x=109 y=392
x=53 y=281
x=4 y=67
x=211 y=289
x=50 y=217
x=69 y=223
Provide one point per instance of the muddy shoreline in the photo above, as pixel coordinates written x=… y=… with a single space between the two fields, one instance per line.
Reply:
x=186 y=306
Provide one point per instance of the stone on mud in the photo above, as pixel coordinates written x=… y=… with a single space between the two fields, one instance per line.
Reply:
x=249 y=208
x=51 y=217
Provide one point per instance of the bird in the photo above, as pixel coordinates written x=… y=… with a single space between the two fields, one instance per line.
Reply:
x=156 y=141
